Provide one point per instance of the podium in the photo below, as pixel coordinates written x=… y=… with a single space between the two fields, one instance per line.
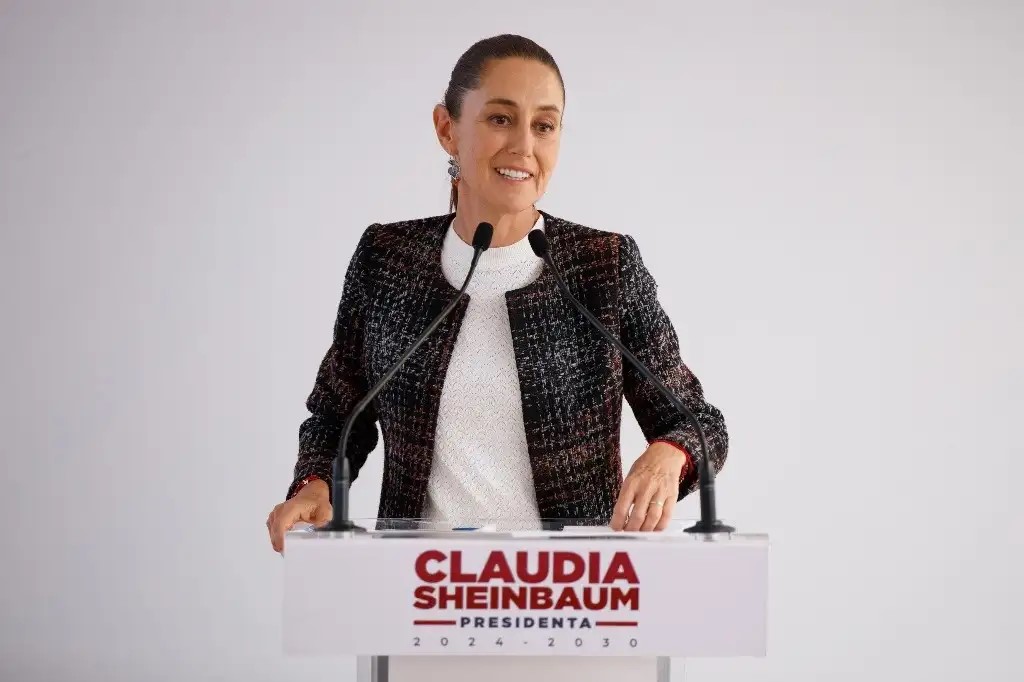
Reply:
x=502 y=600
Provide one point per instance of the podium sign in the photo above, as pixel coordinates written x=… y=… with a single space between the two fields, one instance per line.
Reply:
x=409 y=589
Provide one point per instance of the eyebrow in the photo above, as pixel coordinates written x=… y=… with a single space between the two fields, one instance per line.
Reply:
x=508 y=102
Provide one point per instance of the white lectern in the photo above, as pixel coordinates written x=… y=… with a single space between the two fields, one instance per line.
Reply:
x=500 y=600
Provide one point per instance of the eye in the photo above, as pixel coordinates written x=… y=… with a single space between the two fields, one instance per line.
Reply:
x=497 y=116
x=547 y=127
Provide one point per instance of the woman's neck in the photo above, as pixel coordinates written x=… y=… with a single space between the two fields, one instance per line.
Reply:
x=509 y=228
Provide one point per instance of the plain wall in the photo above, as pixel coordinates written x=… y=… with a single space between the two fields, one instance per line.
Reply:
x=828 y=194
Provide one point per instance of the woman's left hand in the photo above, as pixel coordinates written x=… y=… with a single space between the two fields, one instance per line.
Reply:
x=651 y=488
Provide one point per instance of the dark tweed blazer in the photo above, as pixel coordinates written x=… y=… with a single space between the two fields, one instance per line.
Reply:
x=572 y=381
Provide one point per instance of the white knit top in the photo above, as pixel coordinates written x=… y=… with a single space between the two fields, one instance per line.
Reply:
x=481 y=468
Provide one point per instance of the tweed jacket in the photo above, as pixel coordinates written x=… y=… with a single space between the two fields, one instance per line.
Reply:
x=571 y=380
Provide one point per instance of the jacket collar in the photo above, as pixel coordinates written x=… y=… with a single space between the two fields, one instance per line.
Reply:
x=545 y=281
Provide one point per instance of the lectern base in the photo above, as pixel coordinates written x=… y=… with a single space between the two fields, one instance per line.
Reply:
x=512 y=668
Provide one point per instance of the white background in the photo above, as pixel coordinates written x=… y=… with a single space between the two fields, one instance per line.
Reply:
x=829 y=195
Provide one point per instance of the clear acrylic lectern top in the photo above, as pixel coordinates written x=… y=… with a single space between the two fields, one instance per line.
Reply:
x=523 y=528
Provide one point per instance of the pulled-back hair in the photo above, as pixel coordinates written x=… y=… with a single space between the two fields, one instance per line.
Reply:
x=468 y=73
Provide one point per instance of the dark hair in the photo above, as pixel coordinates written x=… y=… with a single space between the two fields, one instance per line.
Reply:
x=469 y=69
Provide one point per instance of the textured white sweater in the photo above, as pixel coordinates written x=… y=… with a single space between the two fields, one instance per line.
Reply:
x=481 y=467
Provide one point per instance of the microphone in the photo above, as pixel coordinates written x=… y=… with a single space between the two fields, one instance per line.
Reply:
x=708 y=522
x=341 y=468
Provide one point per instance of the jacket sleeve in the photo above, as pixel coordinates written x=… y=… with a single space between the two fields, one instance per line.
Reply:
x=648 y=333
x=340 y=383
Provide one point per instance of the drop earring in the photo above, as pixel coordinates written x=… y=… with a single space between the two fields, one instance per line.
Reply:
x=453 y=169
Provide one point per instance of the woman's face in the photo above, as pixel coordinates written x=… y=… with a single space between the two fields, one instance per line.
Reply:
x=512 y=122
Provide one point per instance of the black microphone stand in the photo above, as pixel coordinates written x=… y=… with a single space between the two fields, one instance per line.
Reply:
x=341 y=468
x=708 y=522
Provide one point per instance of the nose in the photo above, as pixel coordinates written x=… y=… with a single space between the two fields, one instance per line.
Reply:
x=521 y=140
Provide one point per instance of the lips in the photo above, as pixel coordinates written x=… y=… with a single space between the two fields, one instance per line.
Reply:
x=514 y=174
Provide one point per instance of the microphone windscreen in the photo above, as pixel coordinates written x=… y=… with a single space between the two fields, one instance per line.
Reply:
x=538 y=242
x=482 y=236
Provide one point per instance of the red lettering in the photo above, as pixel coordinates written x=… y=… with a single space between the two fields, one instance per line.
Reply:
x=457 y=575
x=628 y=598
x=476 y=597
x=621 y=568
x=523 y=567
x=424 y=597
x=496 y=568
x=449 y=597
x=568 y=599
x=595 y=598
x=421 y=566
x=594 y=577
x=540 y=598
x=568 y=567
x=515 y=596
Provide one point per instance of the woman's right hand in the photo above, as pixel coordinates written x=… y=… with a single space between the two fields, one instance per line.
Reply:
x=311 y=504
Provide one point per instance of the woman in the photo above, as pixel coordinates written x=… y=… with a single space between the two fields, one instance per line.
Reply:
x=512 y=408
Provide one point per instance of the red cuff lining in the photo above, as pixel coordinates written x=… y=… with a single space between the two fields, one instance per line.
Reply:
x=303 y=483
